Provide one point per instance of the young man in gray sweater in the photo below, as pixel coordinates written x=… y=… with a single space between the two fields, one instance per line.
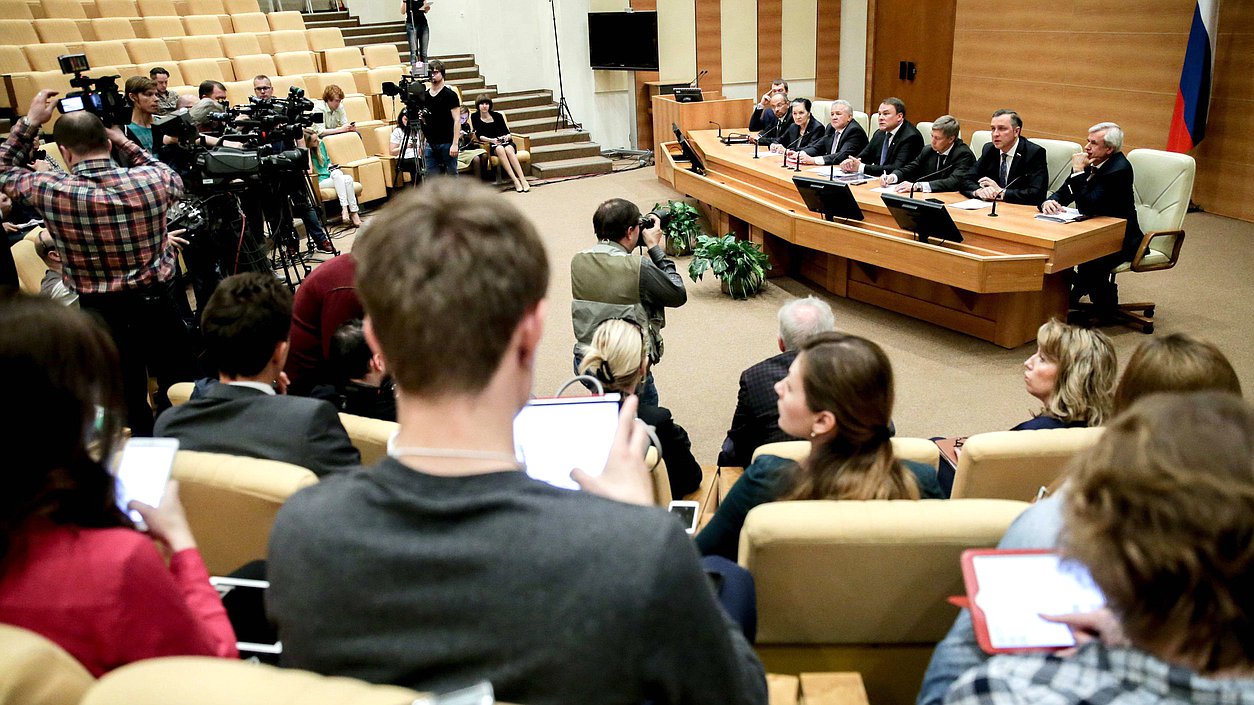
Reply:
x=446 y=564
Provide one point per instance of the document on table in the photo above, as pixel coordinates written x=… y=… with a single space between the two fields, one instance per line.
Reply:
x=884 y=189
x=971 y=204
x=1066 y=215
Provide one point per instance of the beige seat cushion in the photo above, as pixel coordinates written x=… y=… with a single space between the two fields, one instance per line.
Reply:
x=36 y=671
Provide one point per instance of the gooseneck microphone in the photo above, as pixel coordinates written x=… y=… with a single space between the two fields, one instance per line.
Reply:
x=758 y=140
x=928 y=176
x=696 y=82
x=720 y=128
x=993 y=213
x=794 y=144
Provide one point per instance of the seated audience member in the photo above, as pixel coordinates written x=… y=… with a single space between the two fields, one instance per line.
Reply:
x=619 y=359
x=492 y=130
x=469 y=154
x=53 y=285
x=364 y=387
x=895 y=144
x=141 y=92
x=1171 y=363
x=405 y=163
x=334 y=117
x=1161 y=512
x=472 y=569
x=1100 y=184
x=72 y=566
x=1011 y=168
x=839 y=394
x=1072 y=373
x=245 y=327
x=756 y=419
x=332 y=176
x=946 y=164
x=325 y=301
x=843 y=138
x=804 y=131
x=167 y=100
x=772 y=123
x=764 y=112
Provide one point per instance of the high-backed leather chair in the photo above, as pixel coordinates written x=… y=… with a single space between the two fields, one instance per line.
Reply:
x=979 y=138
x=865 y=121
x=201 y=680
x=36 y=671
x=231 y=502
x=1057 y=159
x=1017 y=464
x=862 y=586
x=1162 y=187
x=369 y=436
x=919 y=450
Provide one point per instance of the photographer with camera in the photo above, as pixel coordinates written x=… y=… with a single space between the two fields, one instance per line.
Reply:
x=609 y=281
x=109 y=224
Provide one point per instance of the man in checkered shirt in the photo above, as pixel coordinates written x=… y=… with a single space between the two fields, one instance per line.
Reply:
x=108 y=223
x=1161 y=512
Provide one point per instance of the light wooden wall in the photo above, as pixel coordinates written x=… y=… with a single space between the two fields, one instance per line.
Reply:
x=827 y=49
x=1067 y=64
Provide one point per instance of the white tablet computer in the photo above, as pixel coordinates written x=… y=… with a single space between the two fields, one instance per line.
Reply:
x=554 y=436
x=143 y=471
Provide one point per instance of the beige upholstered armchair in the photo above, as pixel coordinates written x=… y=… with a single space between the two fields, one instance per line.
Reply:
x=1017 y=464
x=35 y=671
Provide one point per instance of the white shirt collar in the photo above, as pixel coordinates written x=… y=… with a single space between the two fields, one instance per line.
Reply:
x=1014 y=146
x=254 y=385
x=893 y=132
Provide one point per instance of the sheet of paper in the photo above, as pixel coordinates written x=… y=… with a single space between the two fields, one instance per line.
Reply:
x=1067 y=215
x=1016 y=589
x=971 y=204
x=884 y=189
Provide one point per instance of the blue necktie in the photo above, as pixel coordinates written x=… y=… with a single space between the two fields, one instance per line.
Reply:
x=1004 y=171
x=884 y=150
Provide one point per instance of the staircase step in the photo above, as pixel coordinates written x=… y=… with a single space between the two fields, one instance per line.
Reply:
x=393 y=35
x=543 y=112
x=521 y=100
x=560 y=152
x=533 y=124
x=572 y=167
x=454 y=74
x=552 y=137
x=344 y=25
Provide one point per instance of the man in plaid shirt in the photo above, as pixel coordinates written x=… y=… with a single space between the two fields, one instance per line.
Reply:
x=109 y=225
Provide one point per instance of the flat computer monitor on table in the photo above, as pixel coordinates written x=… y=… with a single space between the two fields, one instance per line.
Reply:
x=831 y=198
x=689 y=154
x=923 y=218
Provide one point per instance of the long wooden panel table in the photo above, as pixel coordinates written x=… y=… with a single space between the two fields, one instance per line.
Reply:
x=1000 y=284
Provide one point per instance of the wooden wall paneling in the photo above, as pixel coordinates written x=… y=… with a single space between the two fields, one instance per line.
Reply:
x=770 y=42
x=924 y=34
x=1225 y=174
x=644 y=115
x=869 y=103
x=710 y=45
x=827 y=49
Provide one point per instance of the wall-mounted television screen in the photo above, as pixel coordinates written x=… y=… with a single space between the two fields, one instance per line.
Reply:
x=623 y=41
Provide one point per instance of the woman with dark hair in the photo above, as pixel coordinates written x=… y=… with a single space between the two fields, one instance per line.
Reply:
x=404 y=162
x=804 y=130
x=839 y=394
x=494 y=133
x=72 y=566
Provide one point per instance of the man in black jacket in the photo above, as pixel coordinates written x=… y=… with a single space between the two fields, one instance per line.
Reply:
x=946 y=164
x=771 y=121
x=1100 y=184
x=843 y=138
x=1011 y=168
x=893 y=146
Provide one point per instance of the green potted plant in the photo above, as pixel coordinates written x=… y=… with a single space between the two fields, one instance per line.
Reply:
x=682 y=229
x=739 y=264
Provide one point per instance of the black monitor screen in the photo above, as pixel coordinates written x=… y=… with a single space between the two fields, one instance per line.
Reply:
x=623 y=41
x=690 y=154
x=831 y=198
x=924 y=218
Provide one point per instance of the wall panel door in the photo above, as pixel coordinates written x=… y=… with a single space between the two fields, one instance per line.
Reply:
x=917 y=32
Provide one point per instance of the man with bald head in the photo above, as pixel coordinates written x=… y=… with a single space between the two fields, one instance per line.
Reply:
x=844 y=138
x=108 y=223
x=772 y=121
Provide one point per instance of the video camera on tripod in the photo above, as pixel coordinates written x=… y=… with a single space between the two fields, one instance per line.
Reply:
x=413 y=93
x=98 y=96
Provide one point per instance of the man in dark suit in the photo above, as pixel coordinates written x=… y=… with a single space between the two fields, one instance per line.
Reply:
x=895 y=144
x=771 y=122
x=947 y=163
x=245 y=326
x=1011 y=168
x=843 y=139
x=1100 y=184
x=766 y=106
x=756 y=420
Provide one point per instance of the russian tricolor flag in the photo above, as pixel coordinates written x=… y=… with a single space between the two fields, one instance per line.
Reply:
x=1188 y=122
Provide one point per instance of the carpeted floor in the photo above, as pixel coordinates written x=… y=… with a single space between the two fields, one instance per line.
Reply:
x=947 y=383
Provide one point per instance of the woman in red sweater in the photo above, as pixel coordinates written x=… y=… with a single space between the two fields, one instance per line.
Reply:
x=72 y=566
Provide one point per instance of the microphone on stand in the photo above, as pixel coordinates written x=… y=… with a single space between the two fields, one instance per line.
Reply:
x=696 y=82
x=928 y=176
x=720 y=129
x=758 y=139
x=993 y=213
x=786 y=149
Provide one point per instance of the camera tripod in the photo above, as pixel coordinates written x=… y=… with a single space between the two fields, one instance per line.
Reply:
x=286 y=255
x=413 y=138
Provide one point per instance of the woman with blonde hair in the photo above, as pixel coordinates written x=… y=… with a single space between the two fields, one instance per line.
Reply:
x=839 y=395
x=618 y=357
x=330 y=176
x=1072 y=373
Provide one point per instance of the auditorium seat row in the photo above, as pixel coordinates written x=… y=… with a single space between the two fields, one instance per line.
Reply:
x=156 y=26
x=92 y=9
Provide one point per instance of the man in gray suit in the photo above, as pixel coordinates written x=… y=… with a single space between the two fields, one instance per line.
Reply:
x=245 y=327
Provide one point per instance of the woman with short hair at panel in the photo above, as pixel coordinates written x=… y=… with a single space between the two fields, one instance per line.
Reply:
x=619 y=359
x=804 y=130
x=491 y=127
x=72 y=566
x=839 y=394
x=1072 y=373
